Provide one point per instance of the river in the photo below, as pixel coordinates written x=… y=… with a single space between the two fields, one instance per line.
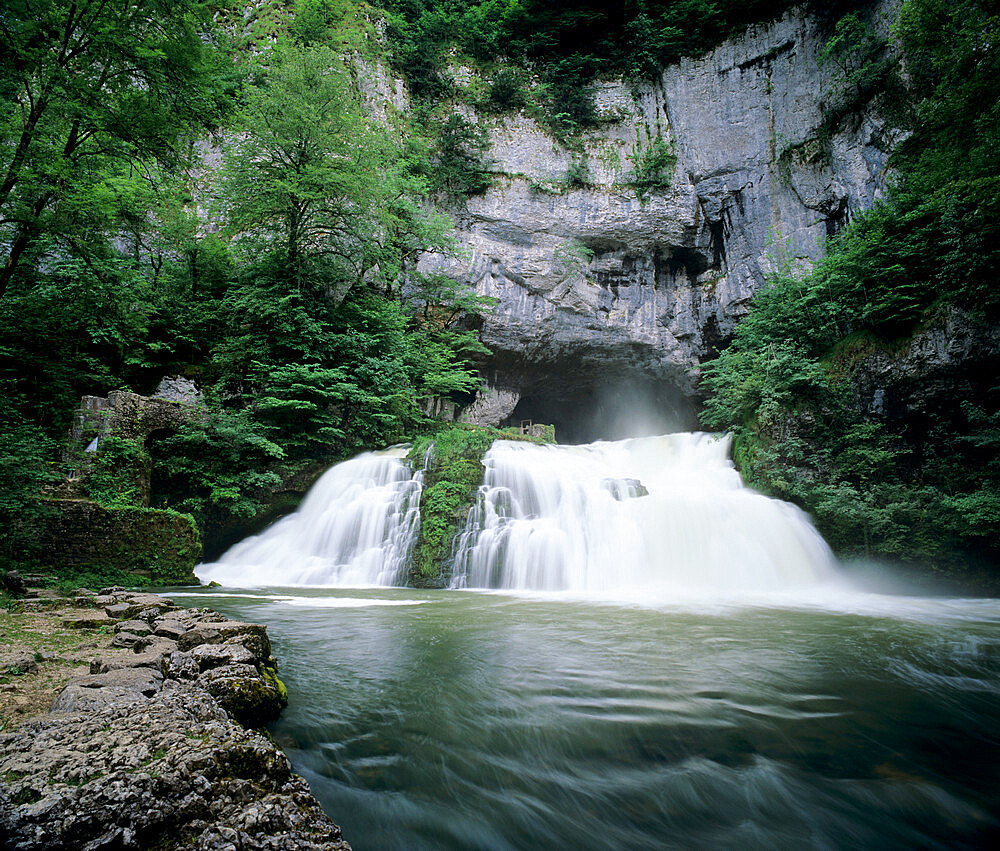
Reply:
x=453 y=719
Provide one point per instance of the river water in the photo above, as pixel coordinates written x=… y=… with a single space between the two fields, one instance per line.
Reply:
x=471 y=720
x=638 y=652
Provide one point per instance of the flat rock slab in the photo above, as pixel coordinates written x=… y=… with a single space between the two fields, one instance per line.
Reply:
x=120 y=687
x=251 y=635
x=136 y=627
x=124 y=606
x=90 y=621
x=145 y=756
x=169 y=629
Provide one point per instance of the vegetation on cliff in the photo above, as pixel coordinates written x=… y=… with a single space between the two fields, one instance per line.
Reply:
x=567 y=43
x=924 y=485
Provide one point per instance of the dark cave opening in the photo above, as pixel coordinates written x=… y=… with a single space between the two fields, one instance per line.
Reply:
x=585 y=408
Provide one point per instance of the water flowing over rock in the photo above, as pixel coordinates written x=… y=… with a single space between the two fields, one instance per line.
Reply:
x=356 y=526
x=576 y=518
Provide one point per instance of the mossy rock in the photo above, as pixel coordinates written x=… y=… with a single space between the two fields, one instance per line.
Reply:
x=154 y=547
x=252 y=699
x=452 y=478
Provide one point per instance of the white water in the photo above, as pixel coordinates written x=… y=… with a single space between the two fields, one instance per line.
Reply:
x=574 y=519
x=547 y=519
x=356 y=527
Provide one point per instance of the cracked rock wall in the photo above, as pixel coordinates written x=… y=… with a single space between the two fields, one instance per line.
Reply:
x=591 y=281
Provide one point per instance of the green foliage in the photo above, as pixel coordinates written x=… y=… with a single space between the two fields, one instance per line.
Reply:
x=452 y=478
x=573 y=256
x=568 y=43
x=450 y=483
x=68 y=578
x=862 y=64
x=568 y=95
x=578 y=173
x=94 y=94
x=653 y=167
x=223 y=465
x=304 y=174
x=460 y=165
x=117 y=472
x=24 y=471
x=507 y=92
x=921 y=487
x=155 y=547
x=303 y=318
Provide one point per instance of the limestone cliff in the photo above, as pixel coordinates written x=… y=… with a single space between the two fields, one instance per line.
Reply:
x=592 y=280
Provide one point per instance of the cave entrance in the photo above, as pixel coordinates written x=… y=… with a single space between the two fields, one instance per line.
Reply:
x=612 y=407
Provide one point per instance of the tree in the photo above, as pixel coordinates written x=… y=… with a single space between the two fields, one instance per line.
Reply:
x=302 y=176
x=862 y=66
x=91 y=88
x=442 y=344
x=460 y=165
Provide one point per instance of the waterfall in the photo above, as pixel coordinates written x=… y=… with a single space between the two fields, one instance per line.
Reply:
x=355 y=527
x=659 y=514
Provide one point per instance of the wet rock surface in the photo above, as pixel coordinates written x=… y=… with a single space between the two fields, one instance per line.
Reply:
x=156 y=747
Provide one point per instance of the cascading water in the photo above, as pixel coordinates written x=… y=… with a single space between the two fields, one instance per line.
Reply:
x=440 y=720
x=356 y=527
x=659 y=514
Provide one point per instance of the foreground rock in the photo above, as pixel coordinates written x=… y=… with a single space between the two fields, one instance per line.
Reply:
x=154 y=748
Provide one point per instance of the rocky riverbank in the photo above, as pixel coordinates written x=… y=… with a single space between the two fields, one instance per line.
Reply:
x=152 y=742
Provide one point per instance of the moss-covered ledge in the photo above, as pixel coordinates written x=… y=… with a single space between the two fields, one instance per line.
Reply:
x=451 y=480
x=157 y=547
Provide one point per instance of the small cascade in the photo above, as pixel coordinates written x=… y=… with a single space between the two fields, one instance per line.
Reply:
x=355 y=527
x=663 y=514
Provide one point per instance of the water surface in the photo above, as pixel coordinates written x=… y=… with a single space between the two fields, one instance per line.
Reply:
x=456 y=719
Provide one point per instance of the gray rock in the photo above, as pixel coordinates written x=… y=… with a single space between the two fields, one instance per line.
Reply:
x=594 y=282
x=251 y=635
x=128 y=639
x=140 y=757
x=170 y=769
x=491 y=406
x=169 y=629
x=198 y=635
x=13 y=583
x=215 y=655
x=180 y=665
x=179 y=389
x=91 y=621
x=22 y=664
x=947 y=359
x=113 y=688
x=121 y=610
x=247 y=695
x=136 y=627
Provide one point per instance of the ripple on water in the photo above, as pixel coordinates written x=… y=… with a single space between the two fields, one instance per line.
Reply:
x=489 y=721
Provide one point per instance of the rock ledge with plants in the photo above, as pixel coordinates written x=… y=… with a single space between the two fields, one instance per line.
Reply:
x=159 y=745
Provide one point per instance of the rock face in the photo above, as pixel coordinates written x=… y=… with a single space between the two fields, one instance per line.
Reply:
x=592 y=280
x=179 y=389
x=159 y=547
x=948 y=362
x=154 y=748
x=131 y=416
